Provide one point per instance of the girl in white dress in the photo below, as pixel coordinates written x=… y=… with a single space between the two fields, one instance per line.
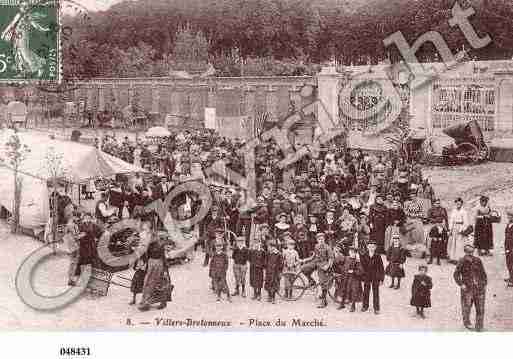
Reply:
x=458 y=222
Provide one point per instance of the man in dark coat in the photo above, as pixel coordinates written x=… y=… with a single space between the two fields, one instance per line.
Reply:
x=508 y=246
x=214 y=224
x=373 y=277
x=89 y=234
x=471 y=277
x=438 y=214
x=378 y=223
x=273 y=269
x=257 y=261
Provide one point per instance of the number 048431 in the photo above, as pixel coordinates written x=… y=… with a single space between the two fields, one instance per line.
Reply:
x=75 y=351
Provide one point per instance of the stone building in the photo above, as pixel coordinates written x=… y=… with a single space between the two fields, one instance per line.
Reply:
x=366 y=100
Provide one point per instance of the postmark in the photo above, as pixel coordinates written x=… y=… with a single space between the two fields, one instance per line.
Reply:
x=29 y=41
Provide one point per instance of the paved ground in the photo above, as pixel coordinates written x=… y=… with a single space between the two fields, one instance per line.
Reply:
x=192 y=298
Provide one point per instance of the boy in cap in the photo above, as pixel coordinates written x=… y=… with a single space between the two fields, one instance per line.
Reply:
x=218 y=269
x=257 y=262
x=352 y=285
x=508 y=246
x=240 y=257
x=438 y=237
x=373 y=277
x=273 y=269
x=290 y=264
x=471 y=277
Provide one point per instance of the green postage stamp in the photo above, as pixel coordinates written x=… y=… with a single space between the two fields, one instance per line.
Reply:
x=29 y=41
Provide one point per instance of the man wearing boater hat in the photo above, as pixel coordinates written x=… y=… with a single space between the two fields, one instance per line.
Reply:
x=471 y=277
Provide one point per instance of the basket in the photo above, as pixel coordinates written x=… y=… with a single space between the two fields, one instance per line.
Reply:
x=495 y=217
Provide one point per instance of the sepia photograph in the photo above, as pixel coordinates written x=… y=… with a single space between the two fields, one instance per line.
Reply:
x=256 y=165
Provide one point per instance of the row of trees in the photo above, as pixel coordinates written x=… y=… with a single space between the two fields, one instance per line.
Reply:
x=148 y=37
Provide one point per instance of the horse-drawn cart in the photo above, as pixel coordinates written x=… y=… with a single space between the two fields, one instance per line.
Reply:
x=458 y=144
x=469 y=145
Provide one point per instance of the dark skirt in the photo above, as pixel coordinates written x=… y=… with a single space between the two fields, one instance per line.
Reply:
x=256 y=276
x=352 y=289
x=272 y=281
x=137 y=284
x=394 y=270
x=421 y=299
x=157 y=284
x=483 y=239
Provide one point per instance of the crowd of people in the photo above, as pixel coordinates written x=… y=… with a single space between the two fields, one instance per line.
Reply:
x=337 y=211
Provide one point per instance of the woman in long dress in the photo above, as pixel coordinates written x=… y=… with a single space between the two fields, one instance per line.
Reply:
x=157 y=283
x=483 y=227
x=458 y=223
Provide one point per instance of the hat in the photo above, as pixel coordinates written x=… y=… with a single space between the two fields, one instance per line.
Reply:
x=484 y=198
x=272 y=243
x=371 y=242
x=290 y=241
x=218 y=231
x=320 y=235
x=468 y=248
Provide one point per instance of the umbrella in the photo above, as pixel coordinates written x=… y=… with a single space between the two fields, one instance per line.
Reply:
x=158 y=132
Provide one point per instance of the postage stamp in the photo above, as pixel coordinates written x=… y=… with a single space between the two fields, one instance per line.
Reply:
x=29 y=42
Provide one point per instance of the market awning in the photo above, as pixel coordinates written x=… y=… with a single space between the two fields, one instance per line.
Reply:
x=49 y=158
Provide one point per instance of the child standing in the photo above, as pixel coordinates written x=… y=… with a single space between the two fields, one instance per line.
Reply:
x=374 y=274
x=240 y=257
x=218 y=269
x=290 y=264
x=396 y=256
x=256 y=269
x=421 y=291
x=137 y=284
x=352 y=282
x=438 y=236
x=273 y=269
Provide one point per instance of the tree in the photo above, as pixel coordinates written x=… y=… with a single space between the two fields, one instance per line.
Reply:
x=16 y=153
x=55 y=169
x=190 y=51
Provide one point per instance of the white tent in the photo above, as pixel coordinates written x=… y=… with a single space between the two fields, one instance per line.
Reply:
x=75 y=161
x=34 y=209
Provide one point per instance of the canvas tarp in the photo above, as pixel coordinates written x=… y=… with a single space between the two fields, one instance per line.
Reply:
x=34 y=209
x=75 y=161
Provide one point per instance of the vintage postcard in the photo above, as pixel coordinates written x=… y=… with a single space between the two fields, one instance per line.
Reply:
x=250 y=165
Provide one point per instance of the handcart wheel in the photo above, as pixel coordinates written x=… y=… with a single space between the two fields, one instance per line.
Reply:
x=469 y=151
x=332 y=291
x=297 y=289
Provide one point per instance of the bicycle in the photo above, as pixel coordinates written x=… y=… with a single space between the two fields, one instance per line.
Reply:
x=301 y=284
